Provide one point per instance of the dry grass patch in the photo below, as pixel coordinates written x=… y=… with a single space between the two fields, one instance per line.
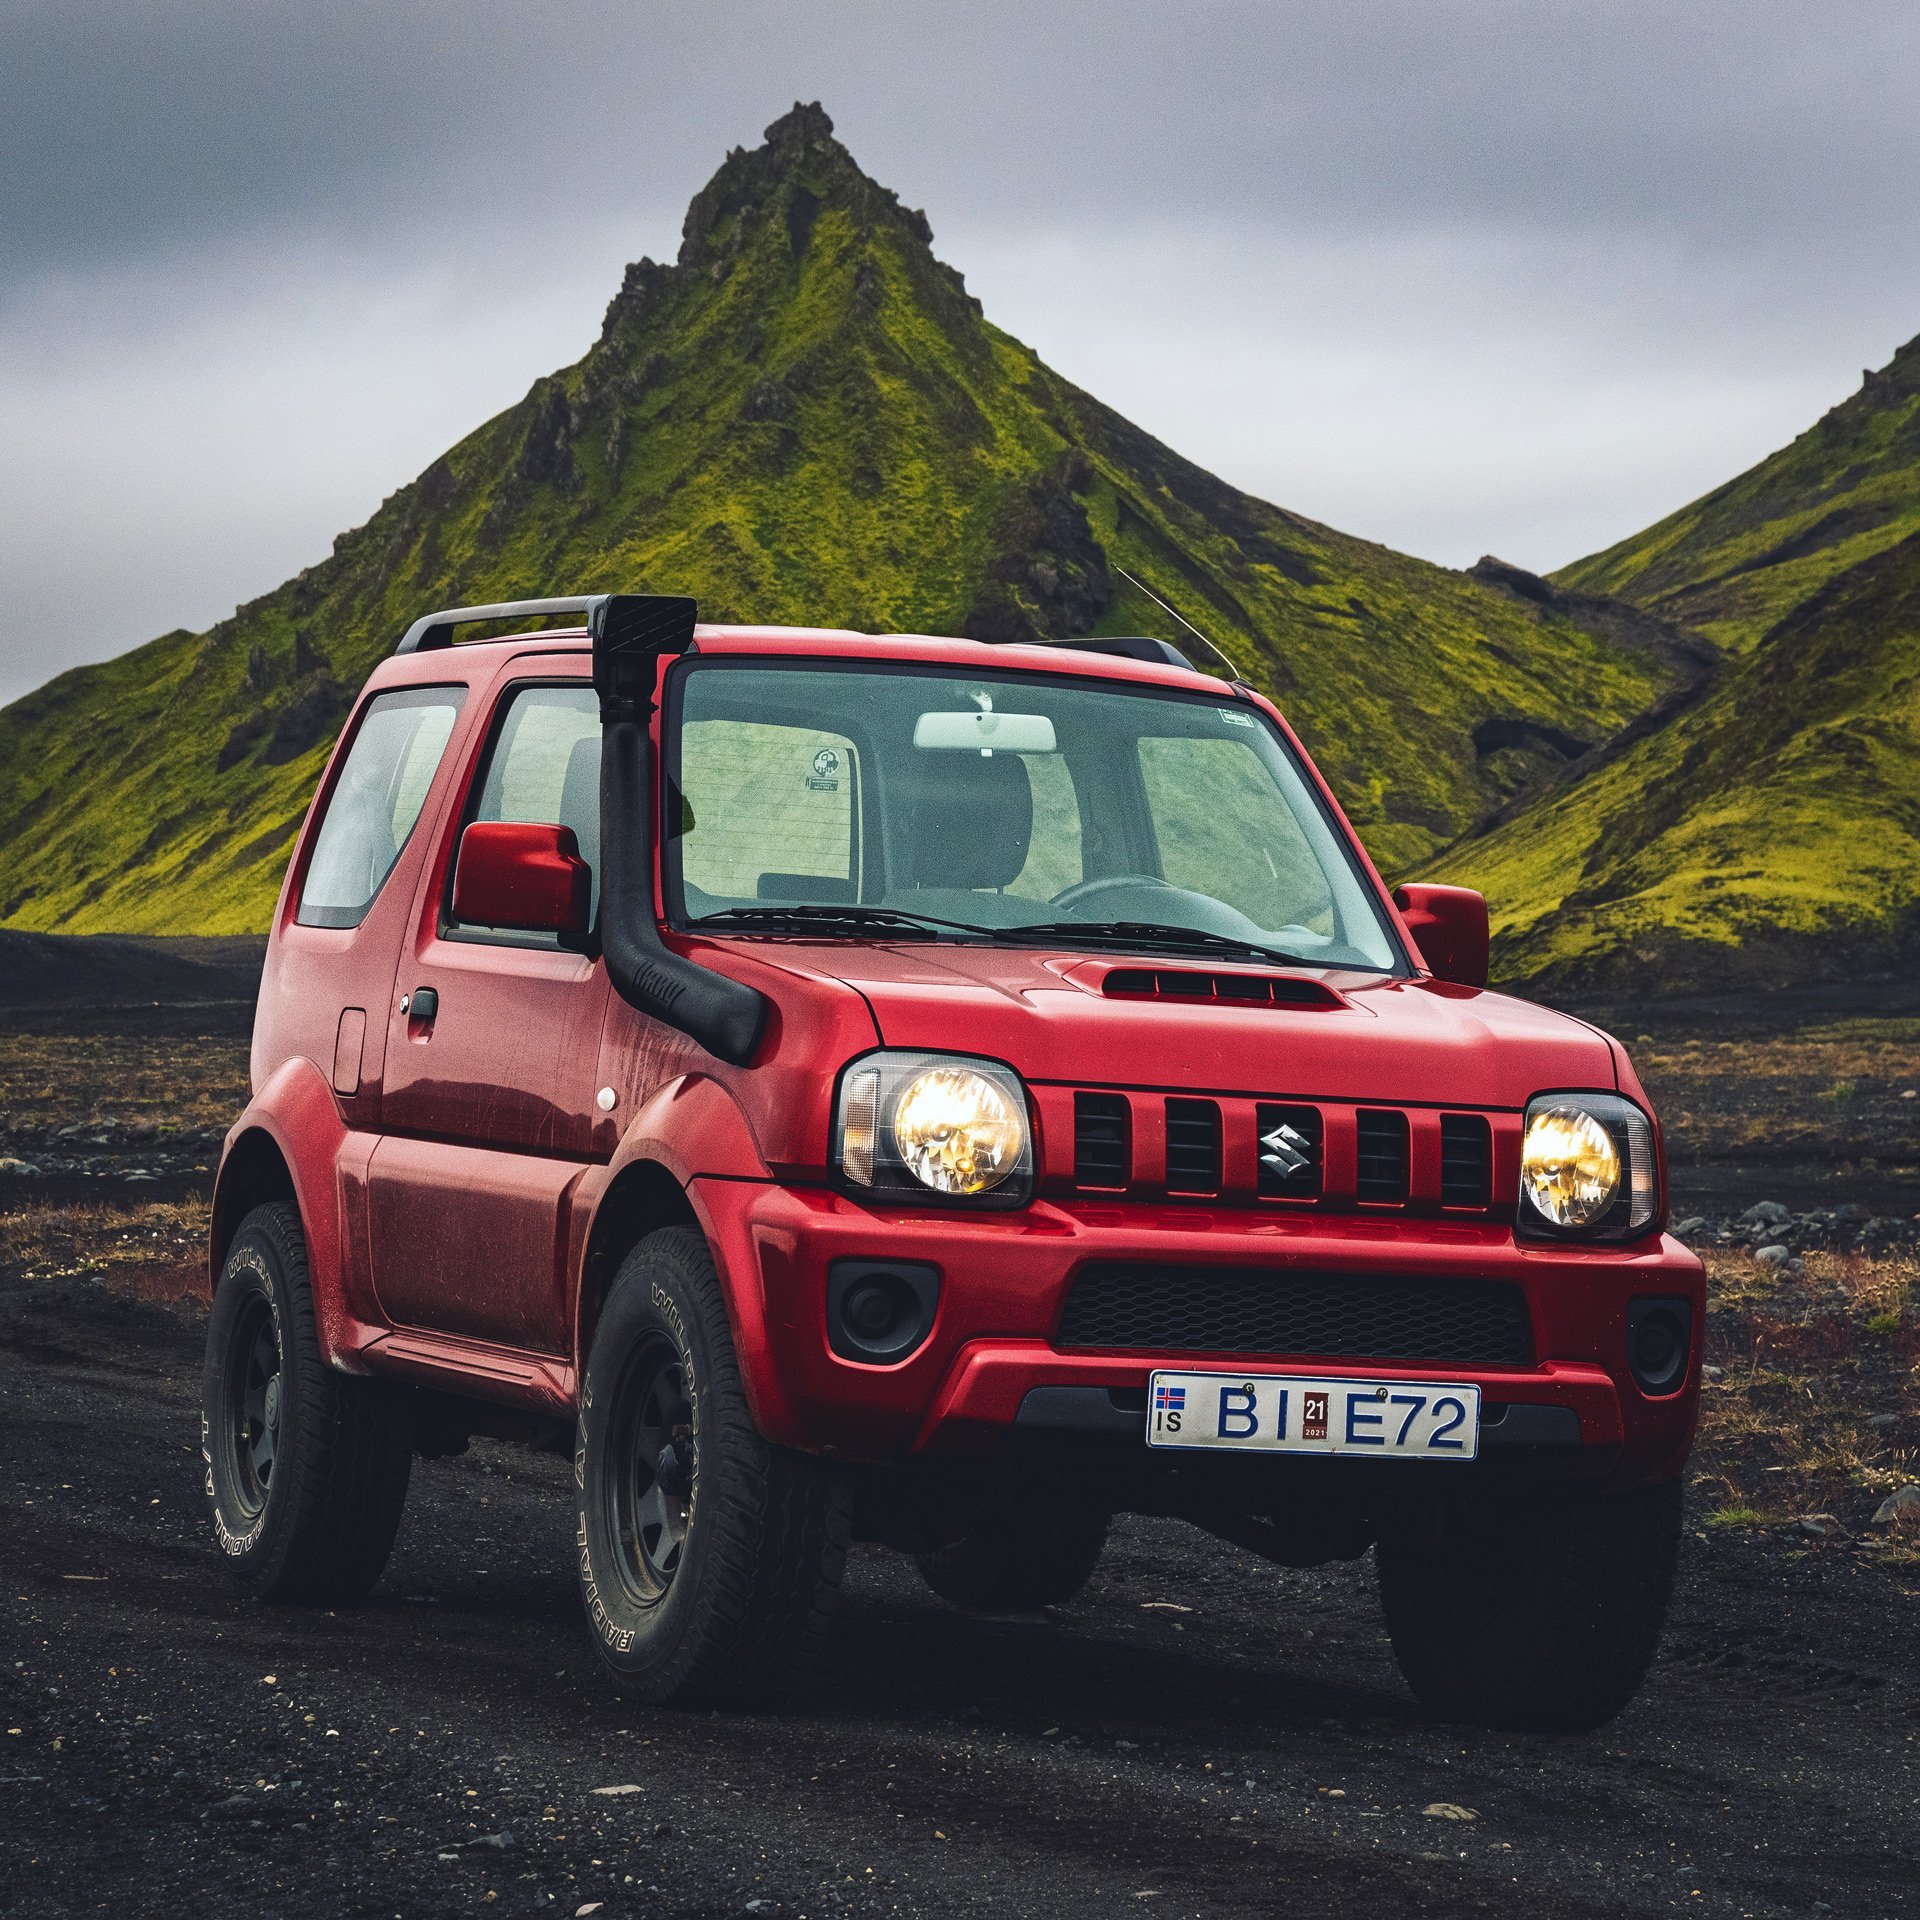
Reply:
x=1811 y=1365
x=171 y=1081
x=156 y=1250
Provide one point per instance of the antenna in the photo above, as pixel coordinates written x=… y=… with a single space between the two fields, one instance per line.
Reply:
x=1233 y=666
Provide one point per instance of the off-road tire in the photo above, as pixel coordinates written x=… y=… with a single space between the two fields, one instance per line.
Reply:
x=1539 y=1613
x=1032 y=1552
x=318 y=1526
x=732 y=1609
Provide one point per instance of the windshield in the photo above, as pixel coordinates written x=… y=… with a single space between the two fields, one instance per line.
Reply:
x=987 y=803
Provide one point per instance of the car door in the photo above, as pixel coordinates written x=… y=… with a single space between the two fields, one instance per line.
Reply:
x=493 y=1037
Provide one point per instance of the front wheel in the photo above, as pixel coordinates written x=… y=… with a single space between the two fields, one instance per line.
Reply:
x=1539 y=1613
x=306 y=1469
x=709 y=1559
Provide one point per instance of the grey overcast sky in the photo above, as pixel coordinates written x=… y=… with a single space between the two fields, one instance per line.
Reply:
x=1459 y=275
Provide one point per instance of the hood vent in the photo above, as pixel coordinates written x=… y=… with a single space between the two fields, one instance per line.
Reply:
x=1204 y=988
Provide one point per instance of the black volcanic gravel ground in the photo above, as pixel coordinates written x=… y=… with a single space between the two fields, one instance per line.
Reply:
x=169 y=1749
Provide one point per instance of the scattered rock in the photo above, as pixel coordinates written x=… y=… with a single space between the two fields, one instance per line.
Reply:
x=1768 y=1213
x=1774 y=1258
x=1687 y=1228
x=501 y=1842
x=1713 y=1373
x=1882 y=1422
x=616 y=1793
x=1819 y=1526
x=1901 y=1509
x=19 y=1167
x=1447 y=1810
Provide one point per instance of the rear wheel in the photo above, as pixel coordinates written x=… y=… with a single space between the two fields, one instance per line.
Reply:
x=709 y=1559
x=1540 y=1613
x=306 y=1469
x=1031 y=1552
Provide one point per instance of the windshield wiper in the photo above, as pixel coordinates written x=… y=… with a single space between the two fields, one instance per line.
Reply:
x=824 y=919
x=1152 y=934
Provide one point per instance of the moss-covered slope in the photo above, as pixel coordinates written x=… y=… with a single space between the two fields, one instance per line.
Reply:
x=804 y=419
x=1769 y=833
x=1768 y=829
x=1737 y=562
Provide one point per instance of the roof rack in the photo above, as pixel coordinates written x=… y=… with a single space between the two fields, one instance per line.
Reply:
x=1128 y=646
x=435 y=630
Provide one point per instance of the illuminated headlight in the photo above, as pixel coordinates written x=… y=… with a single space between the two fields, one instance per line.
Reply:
x=940 y=1124
x=1586 y=1167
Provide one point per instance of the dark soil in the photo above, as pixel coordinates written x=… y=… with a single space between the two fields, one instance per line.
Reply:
x=1198 y=1734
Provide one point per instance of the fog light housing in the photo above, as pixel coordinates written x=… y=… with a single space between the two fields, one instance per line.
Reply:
x=880 y=1311
x=1659 y=1344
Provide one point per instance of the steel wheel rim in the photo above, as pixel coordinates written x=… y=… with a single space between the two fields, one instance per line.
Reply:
x=654 y=1464
x=256 y=1404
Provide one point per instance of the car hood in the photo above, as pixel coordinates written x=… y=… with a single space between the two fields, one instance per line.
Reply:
x=1052 y=1016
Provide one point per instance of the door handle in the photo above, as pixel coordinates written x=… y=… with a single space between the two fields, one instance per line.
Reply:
x=421 y=1004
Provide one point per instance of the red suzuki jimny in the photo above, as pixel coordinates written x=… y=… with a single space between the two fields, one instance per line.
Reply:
x=871 y=1086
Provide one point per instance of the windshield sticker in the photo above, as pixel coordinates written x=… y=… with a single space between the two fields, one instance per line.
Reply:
x=1236 y=719
x=826 y=768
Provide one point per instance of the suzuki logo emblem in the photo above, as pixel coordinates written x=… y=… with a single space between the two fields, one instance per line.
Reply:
x=1284 y=1152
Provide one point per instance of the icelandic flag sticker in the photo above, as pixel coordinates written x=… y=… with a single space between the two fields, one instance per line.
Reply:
x=1169 y=1403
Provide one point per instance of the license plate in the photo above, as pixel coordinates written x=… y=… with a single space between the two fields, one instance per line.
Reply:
x=1270 y=1413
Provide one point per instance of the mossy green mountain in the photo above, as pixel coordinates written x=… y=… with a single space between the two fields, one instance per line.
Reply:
x=805 y=418
x=1769 y=830
x=1736 y=563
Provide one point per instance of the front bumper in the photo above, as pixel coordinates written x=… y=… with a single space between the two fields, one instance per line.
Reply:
x=990 y=1373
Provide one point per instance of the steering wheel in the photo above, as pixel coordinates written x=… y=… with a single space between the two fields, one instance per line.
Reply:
x=1084 y=890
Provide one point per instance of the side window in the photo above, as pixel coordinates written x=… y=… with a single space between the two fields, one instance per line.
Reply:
x=376 y=801
x=767 y=812
x=544 y=766
x=1225 y=829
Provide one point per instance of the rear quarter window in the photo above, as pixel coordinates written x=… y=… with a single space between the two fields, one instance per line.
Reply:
x=376 y=802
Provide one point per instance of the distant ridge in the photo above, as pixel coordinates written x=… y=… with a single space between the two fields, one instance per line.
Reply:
x=1762 y=826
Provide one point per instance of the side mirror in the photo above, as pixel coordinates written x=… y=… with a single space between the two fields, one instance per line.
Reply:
x=1449 y=926
x=514 y=873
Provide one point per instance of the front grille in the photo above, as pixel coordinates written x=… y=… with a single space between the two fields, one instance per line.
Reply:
x=1102 y=1140
x=1466 y=1161
x=1331 y=1316
x=1193 y=1146
x=1383 y=1156
x=1291 y=1142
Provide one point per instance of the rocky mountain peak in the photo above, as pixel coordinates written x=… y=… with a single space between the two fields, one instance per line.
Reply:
x=774 y=194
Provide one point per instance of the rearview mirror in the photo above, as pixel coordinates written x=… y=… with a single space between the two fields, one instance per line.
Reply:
x=518 y=874
x=1449 y=926
x=977 y=732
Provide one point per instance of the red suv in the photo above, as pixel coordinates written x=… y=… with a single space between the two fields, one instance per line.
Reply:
x=945 y=1094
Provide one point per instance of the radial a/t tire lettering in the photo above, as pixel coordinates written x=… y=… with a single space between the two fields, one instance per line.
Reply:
x=709 y=1560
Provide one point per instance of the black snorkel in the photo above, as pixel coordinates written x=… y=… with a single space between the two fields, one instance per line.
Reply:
x=630 y=633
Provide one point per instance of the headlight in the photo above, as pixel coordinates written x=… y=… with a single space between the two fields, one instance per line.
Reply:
x=942 y=1124
x=1586 y=1167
